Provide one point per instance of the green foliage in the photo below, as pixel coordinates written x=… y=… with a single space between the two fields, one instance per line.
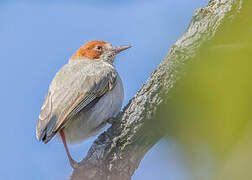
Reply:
x=212 y=104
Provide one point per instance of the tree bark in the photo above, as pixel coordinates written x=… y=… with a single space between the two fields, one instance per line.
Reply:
x=116 y=153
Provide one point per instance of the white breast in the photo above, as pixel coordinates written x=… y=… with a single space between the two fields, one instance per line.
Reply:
x=90 y=123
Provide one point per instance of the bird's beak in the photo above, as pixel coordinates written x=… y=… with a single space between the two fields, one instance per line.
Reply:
x=121 y=48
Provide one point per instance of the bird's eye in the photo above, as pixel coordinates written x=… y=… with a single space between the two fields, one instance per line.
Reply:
x=98 y=48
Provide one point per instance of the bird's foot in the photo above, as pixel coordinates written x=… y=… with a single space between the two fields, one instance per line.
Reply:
x=74 y=164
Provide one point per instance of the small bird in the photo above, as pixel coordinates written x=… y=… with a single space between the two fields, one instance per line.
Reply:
x=85 y=95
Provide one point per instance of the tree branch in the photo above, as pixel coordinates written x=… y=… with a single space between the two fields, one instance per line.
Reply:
x=117 y=152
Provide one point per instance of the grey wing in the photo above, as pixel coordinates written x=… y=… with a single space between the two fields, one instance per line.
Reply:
x=45 y=117
x=49 y=122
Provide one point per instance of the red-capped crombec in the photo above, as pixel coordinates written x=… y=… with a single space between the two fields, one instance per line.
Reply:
x=83 y=96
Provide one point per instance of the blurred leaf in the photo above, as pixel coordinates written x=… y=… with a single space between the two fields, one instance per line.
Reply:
x=211 y=106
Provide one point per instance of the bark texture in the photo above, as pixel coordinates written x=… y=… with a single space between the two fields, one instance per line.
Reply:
x=116 y=153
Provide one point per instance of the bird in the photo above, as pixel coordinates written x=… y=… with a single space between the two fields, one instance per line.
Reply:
x=85 y=95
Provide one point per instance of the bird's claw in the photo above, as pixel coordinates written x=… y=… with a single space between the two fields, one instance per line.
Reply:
x=74 y=164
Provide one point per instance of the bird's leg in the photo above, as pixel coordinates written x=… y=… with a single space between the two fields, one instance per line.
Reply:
x=73 y=163
x=111 y=120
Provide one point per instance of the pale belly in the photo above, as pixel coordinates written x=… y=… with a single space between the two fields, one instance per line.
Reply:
x=89 y=123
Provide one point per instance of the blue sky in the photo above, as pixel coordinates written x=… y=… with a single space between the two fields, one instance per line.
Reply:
x=37 y=38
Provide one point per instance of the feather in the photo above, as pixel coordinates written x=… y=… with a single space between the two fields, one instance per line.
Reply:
x=76 y=87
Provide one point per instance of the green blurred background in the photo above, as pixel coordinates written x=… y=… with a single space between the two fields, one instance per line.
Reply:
x=210 y=112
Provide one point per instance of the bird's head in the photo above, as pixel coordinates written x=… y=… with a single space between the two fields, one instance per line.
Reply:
x=98 y=50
